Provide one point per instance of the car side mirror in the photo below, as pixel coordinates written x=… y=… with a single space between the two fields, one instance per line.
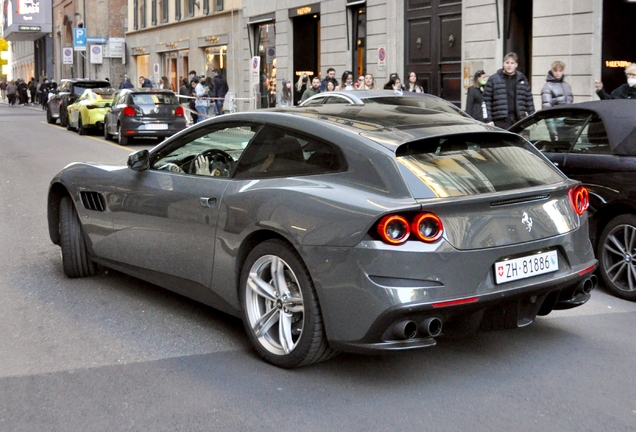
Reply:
x=107 y=105
x=139 y=160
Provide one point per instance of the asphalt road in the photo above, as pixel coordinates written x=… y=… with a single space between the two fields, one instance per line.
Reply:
x=115 y=353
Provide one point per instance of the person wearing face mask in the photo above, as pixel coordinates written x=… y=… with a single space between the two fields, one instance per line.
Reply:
x=347 y=81
x=624 y=91
x=475 y=106
x=507 y=95
x=555 y=90
x=285 y=98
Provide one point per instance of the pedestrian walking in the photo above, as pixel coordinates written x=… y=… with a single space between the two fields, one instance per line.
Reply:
x=624 y=91
x=209 y=88
x=184 y=100
x=12 y=91
x=44 y=92
x=144 y=82
x=300 y=87
x=556 y=91
x=3 y=89
x=507 y=94
x=475 y=105
x=22 y=92
x=32 y=87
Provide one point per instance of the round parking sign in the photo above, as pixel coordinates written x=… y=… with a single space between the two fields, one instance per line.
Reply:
x=96 y=49
x=68 y=52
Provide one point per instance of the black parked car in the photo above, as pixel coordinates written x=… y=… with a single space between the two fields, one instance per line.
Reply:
x=145 y=112
x=595 y=142
x=67 y=92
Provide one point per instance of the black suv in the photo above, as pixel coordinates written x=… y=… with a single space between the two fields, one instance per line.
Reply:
x=67 y=92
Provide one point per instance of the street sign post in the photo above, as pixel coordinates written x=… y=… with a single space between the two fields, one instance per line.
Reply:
x=96 y=40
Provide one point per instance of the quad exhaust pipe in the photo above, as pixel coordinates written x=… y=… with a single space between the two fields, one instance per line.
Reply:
x=430 y=327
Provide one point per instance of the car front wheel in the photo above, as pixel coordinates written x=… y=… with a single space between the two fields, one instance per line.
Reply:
x=617 y=256
x=49 y=116
x=281 y=312
x=75 y=258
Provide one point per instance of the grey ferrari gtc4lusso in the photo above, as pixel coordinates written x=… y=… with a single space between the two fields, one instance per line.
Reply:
x=338 y=228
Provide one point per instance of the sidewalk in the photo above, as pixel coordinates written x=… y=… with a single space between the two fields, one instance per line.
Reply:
x=36 y=107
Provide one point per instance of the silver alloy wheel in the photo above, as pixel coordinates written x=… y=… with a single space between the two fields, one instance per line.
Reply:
x=619 y=255
x=274 y=305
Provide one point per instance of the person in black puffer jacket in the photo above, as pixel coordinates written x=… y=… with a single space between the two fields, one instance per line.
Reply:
x=507 y=95
x=556 y=91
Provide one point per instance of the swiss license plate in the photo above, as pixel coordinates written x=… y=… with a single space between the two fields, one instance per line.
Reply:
x=525 y=267
x=156 y=126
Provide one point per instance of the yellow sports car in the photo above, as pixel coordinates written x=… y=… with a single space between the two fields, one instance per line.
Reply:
x=88 y=110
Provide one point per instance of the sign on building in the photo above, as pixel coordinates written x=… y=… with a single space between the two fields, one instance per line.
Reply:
x=96 y=54
x=79 y=39
x=67 y=55
x=381 y=58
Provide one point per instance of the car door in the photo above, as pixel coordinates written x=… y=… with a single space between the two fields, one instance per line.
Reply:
x=118 y=104
x=165 y=217
x=74 y=110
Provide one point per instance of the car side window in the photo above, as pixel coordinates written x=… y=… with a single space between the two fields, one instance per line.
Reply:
x=336 y=100
x=277 y=153
x=555 y=134
x=593 y=139
x=211 y=151
x=315 y=101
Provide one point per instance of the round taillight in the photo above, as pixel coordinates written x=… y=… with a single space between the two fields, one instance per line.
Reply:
x=394 y=229
x=179 y=111
x=580 y=199
x=427 y=227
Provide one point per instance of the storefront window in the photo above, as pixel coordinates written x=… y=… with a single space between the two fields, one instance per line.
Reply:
x=266 y=50
x=359 y=38
x=169 y=61
x=216 y=57
x=143 y=68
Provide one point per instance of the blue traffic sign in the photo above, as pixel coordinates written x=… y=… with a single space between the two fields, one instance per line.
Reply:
x=79 y=37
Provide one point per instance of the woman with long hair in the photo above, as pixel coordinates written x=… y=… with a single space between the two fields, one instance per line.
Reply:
x=475 y=106
x=369 y=83
x=412 y=85
x=347 y=81
x=285 y=98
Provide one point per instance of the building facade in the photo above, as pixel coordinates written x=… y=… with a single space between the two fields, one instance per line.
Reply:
x=173 y=37
x=100 y=22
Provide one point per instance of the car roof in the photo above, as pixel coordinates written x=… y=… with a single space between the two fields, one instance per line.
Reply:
x=618 y=116
x=146 y=90
x=358 y=95
x=387 y=125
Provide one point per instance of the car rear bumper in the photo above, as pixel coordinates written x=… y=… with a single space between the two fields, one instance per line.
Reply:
x=366 y=290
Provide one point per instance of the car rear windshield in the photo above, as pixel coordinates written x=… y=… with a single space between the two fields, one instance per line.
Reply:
x=154 y=99
x=472 y=164
x=78 y=88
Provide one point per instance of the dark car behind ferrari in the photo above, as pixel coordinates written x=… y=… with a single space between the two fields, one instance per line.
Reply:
x=66 y=93
x=595 y=142
x=141 y=113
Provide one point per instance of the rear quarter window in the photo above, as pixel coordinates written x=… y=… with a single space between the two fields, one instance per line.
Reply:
x=472 y=164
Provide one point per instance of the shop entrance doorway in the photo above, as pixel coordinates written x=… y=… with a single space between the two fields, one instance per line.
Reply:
x=306 y=49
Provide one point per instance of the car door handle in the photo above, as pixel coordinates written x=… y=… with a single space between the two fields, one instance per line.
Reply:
x=207 y=202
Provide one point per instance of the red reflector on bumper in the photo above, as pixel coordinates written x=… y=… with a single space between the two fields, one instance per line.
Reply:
x=587 y=270
x=455 y=302
x=129 y=132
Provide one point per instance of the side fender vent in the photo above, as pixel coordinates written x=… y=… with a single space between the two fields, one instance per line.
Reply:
x=93 y=201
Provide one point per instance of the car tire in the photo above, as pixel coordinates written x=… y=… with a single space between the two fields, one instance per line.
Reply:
x=75 y=258
x=616 y=252
x=107 y=136
x=49 y=116
x=80 y=127
x=68 y=125
x=286 y=306
x=64 y=119
x=121 y=138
